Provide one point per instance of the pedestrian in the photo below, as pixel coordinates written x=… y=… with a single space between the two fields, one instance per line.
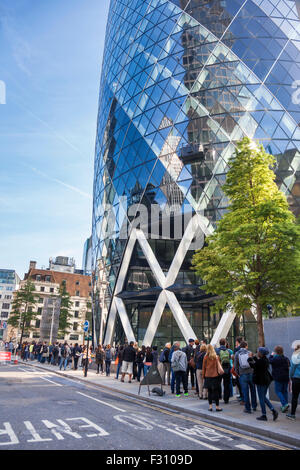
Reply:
x=280 y=372
x=154 y=356
x=179 y=366
x=295 y=378
x=108 y=355
x=262 y=379
x=128 y=360
x=64 y=356
x=225 y=354
x=148 y=360
x=99 y=358
x=189 y=351
x=76 y=353
x=238 y=341
x=199 y=366
x=165 y=364
x=245 y=375
x=172 y=372
x=26 y=351
x=31 y=353
x=120 y=360
x=55 y=352
x=211 y=372
x=45 y=352
x=141 y=354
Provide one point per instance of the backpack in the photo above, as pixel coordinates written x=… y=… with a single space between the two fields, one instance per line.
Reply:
x=45 y=349
x=108 y=355
x=243 y=361
x=225 y=357
x=162 y=357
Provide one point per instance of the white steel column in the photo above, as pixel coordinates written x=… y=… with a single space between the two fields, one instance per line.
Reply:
x=223 y=327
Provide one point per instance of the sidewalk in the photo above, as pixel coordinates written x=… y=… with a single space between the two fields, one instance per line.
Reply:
x=282 y=430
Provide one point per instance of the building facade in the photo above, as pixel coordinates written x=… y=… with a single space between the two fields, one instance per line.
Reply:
x=182 y=82
x=47 y=284
x=9 y=283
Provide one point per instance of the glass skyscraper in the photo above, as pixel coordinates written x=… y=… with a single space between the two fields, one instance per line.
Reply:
x=182 y=81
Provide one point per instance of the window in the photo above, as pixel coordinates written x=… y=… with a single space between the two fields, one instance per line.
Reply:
x=39 y=310
x=41 y=300
x=42 y=289
x=75 y=326
x=76 y=314
x=77 y=293
x=38 y=277
x=74 y=337
x=4 y=314
x=77 y=283
x=37 y=323
x=8 y=297
x=48 y=278
x=5 y=306
x=77 y=304
x=52 y=289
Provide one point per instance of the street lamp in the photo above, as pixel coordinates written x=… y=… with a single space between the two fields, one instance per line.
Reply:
x=270 y=310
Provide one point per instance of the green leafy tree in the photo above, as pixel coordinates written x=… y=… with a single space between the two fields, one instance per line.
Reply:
x=23 y=306
x=253 y=257
x=65 y=310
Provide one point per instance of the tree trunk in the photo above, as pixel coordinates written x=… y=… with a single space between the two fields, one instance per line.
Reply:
x=260 y=325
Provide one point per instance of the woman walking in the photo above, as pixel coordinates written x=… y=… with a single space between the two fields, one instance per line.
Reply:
x=99 y=358
x=211 y=373
x=199 y=366
x=295 y=378
x=262 y=379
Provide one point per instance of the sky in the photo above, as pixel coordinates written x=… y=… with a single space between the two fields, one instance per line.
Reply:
x=50 y=68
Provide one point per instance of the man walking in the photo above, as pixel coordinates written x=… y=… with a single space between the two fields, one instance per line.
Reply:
x=245 y=374
x=179 y=366
x=128 y=360
x=189 y=351
x=166 y=365
x=225 y=359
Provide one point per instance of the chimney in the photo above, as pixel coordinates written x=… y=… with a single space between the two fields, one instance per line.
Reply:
x=32 y=265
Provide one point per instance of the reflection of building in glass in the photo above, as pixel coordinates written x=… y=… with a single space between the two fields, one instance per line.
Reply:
x=9 y=283
x=182 y=81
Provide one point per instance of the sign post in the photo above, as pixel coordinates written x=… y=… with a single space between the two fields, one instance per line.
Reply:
x=86 y=326
x=153 y=377
x=5 y=356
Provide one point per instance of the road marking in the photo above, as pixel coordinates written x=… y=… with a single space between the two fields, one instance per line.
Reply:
x=245 y=447
x=103 y=402
x=198 y=421
x=8 y=430
x=204 y=444
x=34 y=433
x=39 y=376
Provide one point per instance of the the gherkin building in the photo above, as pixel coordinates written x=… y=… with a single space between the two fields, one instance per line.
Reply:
x=182 y=81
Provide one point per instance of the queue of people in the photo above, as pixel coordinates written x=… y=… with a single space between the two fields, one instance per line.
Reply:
x=212 y=372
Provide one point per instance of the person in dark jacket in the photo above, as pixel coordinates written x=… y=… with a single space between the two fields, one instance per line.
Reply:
x=189 y=350
x=155 y=355
x=99 y=358
x=120 y=360
x=262 y=379
x=128 y=360
x=141 y=354
x=199 y=365
x=280 y=372
x=148 y=360
x=76 y=353
x=166 y=365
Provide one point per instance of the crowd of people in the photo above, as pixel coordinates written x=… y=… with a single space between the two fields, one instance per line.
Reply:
x=212 y=372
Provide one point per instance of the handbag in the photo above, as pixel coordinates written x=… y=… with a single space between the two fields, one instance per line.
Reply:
x=192 y=363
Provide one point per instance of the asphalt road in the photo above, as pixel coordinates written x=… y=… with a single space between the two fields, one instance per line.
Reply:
x=40 y=410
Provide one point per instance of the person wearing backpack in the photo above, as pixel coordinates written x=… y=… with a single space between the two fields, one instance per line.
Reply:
x=166 y=365
x=245 y=374
x=262 y=379
x=179 y=366
x=225 y=359
x=64 y=356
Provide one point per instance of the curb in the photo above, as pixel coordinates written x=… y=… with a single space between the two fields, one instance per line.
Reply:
x=254 y=431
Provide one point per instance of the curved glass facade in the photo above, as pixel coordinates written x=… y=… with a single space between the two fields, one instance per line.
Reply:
x=182 y=81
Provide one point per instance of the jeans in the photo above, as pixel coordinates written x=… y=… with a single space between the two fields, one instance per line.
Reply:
x=118 y=369
x=192 y=371
x=107 y=367
x=146 y=368
x=281 y=390
x=263 y=400
x=247 y=384
x=140 y=368
x=63 y=362
x=226 y=378
x=181 y=376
